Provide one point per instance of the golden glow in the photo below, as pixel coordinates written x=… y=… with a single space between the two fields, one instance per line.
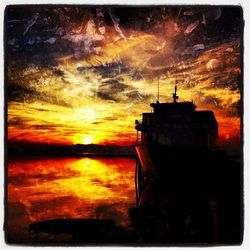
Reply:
x=71 y=188
x=87 y=140
x=86 y=107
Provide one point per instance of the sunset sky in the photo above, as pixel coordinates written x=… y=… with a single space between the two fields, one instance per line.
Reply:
x=83 y=75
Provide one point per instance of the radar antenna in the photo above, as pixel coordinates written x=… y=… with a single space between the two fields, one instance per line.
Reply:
x=175 y=96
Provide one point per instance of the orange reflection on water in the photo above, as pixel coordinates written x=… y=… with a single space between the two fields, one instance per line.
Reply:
x=50 y=188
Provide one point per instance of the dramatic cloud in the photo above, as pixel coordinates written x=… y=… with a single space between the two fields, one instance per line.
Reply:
x=82 y=72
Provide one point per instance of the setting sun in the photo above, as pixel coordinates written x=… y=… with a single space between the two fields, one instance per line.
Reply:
x=87 y=140
x=95 y=86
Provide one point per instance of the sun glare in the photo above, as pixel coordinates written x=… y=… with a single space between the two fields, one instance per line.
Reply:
x=87 y=140
x=90 y=114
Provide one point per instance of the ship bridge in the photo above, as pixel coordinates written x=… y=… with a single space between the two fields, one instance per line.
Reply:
x=178 y=124
x=172 y=130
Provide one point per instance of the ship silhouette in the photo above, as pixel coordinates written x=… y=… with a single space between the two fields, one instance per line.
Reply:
x=187 y=189
x=178 y=124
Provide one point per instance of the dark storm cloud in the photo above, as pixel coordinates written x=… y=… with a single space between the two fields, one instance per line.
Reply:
x=34 y=33
x=58 y=72
x=229 y=80
x=106 y=96
x=22 y=123
x=37 y=34
x=135 y=96
x=18 y=122
x=111 y=69
x=115 y=90
x=110 y=90
x=114 y=85
x=20 y=93
x=44 y=26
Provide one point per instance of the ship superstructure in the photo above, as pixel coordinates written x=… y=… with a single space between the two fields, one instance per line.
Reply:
x=178 y=124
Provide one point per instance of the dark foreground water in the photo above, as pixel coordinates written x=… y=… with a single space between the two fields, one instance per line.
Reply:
x=41 y=189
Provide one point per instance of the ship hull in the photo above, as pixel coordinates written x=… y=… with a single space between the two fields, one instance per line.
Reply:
x=193 y=189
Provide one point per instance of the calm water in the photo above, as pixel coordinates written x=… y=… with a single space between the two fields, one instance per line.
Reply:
x=51 y=188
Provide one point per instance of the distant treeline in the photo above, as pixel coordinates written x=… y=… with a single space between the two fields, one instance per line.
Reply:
x=77 y=149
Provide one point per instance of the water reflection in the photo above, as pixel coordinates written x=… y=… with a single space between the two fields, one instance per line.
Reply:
x=50 y=188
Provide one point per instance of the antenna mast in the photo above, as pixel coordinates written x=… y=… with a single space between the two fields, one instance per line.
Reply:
x=158 y=89
x=175 y=96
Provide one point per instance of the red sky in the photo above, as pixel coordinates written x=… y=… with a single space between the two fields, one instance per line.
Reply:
x=83 y=75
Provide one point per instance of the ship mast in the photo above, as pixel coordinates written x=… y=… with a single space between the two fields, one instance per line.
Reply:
x=175 y=96
x=158 y=89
